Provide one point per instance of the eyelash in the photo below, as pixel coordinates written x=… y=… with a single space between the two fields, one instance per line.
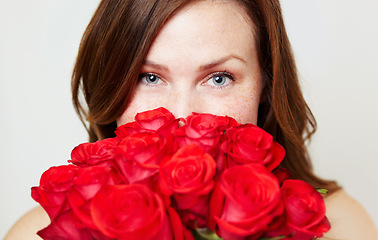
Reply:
x=224 y=73
x=208 y=78
x=149 y=74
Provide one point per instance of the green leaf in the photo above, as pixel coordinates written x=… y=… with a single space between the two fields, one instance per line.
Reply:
x=276 y=238
x=205 y=234
x=322 y=190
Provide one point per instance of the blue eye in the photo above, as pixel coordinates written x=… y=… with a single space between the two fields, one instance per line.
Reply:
x=152 y=79
x=149 y=79
x=219 y=80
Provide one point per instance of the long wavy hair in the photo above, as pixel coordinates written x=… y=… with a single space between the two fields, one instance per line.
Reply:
x=118 y=38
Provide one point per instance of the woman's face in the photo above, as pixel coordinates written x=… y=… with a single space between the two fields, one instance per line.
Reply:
x=203 y=60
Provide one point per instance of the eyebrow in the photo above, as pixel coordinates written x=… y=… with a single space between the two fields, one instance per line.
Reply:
x=155 y=65
x=220 y=61
x=202 y=67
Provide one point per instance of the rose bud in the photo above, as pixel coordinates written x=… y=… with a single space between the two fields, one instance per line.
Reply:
x=251 y=144
x=131 y=212
x=282 y=174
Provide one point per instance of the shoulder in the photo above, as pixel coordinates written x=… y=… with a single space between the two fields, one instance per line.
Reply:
x=28 y=225
x=348 y=218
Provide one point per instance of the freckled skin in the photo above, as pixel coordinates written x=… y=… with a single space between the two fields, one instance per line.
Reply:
x=202 y=33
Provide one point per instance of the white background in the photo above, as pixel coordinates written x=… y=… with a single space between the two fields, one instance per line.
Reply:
x=334 y=41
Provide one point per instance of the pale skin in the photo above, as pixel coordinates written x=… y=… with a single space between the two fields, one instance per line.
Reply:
x=204 y=60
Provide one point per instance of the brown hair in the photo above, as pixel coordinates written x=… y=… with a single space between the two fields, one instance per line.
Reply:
x=118 y=38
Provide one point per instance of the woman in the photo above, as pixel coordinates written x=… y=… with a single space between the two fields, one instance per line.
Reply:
x=222 y=57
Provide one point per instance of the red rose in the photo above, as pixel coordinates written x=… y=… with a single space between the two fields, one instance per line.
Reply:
x=54 y=186
x=225 y=122
x=130 y=212
x=189 y=171
x=87 y=182
x=139 y=155
x=304 y=210
x=65 y=227
x=247 y=202
x=189 y=175
x=282 y=174
x=179 y=231
x=159 y=120
x=251 y=144
x=204 y=130
x=89 y=154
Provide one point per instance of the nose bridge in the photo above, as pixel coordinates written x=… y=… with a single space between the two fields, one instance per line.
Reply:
x=182 y=100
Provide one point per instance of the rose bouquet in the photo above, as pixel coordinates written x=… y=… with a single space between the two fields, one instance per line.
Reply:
x=203 y=177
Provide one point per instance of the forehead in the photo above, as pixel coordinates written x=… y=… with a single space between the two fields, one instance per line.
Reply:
x=206 y=27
